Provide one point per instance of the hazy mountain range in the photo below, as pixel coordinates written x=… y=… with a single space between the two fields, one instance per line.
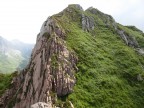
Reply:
x=13 y=55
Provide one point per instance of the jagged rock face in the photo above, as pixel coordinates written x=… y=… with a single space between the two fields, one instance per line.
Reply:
x=87 y=23
x=50 y=72
x=129 y=40
x=107 y=19
x=78 y=7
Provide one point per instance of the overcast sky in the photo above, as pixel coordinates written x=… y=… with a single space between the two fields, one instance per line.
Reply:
x=22 y=19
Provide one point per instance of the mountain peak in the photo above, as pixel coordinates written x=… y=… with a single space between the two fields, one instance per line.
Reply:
x=86 y=49
x=77 y=6
x=92 y=9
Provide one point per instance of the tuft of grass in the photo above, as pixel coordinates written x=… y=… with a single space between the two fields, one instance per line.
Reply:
x=5 y=81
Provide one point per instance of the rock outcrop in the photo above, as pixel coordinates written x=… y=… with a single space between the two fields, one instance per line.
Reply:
x=129 y=40
x=140 y=51
x=106 y=19
x=92 y=36
x=87 y=23
x=40 y=105
x=50 y=73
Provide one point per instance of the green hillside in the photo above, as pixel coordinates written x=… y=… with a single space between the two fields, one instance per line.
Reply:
x=110 y=72
x=10 y=63
x=110 y=61
x=5 y=81
x=14 y=55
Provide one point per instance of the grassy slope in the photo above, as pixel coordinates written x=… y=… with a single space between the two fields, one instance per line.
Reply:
x=134 y=33
x=5 y=81
x=108 y=69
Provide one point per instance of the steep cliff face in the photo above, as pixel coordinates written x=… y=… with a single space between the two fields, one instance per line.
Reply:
x=81 y=59
x=50 y=72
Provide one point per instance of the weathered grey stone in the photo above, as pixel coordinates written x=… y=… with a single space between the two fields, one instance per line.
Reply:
x=47 y=26
x=107 y=19
x=87 y=23
x=139 y=77
x=122 y=35
x=110 y=22
x=92 y=10
x=79 y=7
x=129 y=40
x=140 y=51
x=41 y=105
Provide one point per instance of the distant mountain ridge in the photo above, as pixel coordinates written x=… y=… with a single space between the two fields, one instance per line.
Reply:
x=13 y=55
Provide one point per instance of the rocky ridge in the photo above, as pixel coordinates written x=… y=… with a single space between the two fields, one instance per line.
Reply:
x=50 y=74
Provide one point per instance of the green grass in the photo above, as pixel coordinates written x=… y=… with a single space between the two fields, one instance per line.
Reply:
x=5 y=81
x=108 y=69
x=133 y=32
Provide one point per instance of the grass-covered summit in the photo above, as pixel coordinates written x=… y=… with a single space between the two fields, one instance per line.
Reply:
x=102 y=59
x=111 y=61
